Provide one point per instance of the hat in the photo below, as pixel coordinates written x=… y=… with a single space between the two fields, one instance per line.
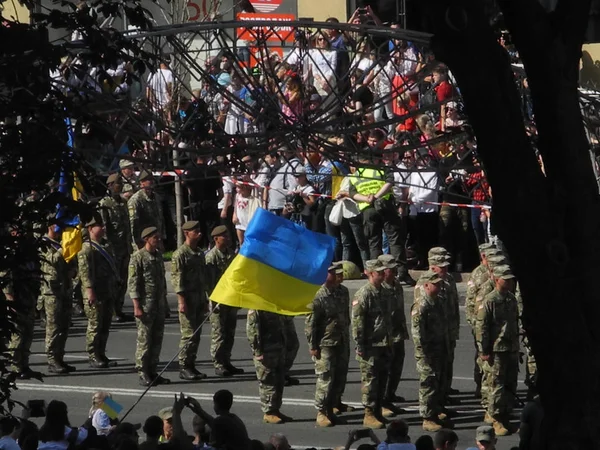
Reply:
x=492 y=252
x=388 y=261
x=124 y=163
x=190 y=225
x=486 y=246
x=300 y=170
x=374 y=265
x=147 y=232
x=439 y=260
x=337 y=267
x=503 y=272
x=496 y=260
x=452 y=105
x=95 y=221
x=166 y=413
x=485 y=433
x=113 y=178
x=437 y=251
x=145 y=175
x=315 y=98
x=430 y=277
x=218 y=231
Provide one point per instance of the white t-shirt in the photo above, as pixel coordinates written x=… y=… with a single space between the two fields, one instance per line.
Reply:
x=308 y=189
x=401 y=181
x=423 y=188
x=158 y=83
x=228 y=188
x=245 y=207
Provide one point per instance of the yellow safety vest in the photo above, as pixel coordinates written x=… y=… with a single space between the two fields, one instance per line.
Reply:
x=368 y=181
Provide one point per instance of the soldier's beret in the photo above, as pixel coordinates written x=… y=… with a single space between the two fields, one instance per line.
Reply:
x=437 y=251
x=439 y=260
x=149 y=232
x=486 y=246
x=145 y=175
x=190 y=225
x=337 y=267
x=503 y=271
x=95 y=221
x=218 y=231
x=388 y=261
x=113 y=178
x=374 y=265
x=124 y=163
x=430 y=277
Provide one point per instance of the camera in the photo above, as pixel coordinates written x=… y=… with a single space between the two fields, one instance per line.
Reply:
x=295 y=203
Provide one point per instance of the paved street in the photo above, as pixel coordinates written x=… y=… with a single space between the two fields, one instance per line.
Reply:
x=77 y=389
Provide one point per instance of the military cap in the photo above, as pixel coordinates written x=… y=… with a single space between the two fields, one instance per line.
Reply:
x=113 y=178
x=124 y=163
x=166 y=413
x=485 y=246
x=145 y=175
x=503 y=271
x=95 y=221
x=218 y=231
x=497 y=260
x=430 y=277
x=492 y=252
x=148 y=232
x=374 y=265
x=439 y=260
x=437 y=251
x=336 y=267
x=388 y=261
x=485 y=433
x=190 y=225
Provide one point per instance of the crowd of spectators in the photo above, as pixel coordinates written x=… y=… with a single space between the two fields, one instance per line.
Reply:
x=223 y=431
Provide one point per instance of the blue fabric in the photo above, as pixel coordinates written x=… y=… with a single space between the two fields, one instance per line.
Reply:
x=288 y=247
x=65 y=184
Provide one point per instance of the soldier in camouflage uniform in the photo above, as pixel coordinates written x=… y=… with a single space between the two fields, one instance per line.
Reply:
x=395 y=297
x=326 y=331
x=56 y=297
x=372 y=331
x=188 y=277
x=476 y=279
x=497 y=333
x=430 y=330
x=147 y=287
x=223 y=319
x=291 y=350
x=266 y=334
x=439 y=261
x=99 y=279
x=113 y=210
x=145 y=210
x=130 y=183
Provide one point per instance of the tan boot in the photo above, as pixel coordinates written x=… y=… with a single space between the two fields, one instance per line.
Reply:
x=488 y=419
x=371 y=421
x=387 y=412
x=272 y=419
x=342 y=408
x=442 y=416
x=500 y=429
x=323 y=421
x=432 y=424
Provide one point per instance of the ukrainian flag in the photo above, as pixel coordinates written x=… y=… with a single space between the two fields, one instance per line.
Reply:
x=111 y=408
x=279 y=268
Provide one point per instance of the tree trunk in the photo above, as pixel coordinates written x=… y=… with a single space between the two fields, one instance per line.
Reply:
x=549 y=224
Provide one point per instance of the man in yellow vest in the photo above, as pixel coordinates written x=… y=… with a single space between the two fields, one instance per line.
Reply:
x=371 y=188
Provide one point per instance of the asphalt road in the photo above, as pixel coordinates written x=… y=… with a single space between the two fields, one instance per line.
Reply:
x=77 y=389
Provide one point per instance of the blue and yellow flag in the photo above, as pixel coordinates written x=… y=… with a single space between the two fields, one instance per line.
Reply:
x=111 y=408
x=279 y=268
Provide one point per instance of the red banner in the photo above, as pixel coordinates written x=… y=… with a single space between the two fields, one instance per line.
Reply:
x=271 y=34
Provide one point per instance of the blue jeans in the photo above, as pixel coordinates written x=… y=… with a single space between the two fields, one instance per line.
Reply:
x=478 y=226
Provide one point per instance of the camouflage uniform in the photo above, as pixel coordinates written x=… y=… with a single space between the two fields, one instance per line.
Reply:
x=24 y=286
x=372 y=332
x=97 y=270
x=530 y=365
x=130 y=185
x=223 y=319
x=478 y=277
x=497 y=333
x=430 y=331
x=56 y=295
x=327 y=329
x=395 y=298
x=144 y=212
x=266 y=334
x=147 y=283
x=292 y=343
x=453 y=314
x=188 y=277
x=118 y=233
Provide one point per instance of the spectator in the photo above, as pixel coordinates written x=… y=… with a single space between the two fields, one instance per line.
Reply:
x=321 y=65
x=9 y=430
x=125 y=436
x=445 y=439
x=397 y=437
x=100 y=420
x=228 y=432
x=299 y=209
x=280 y=442
x=153 y=429
x=236 y=121
x=282 y=181
x=424 y=442
x=479 y=188
x=56 y=432
x=530 y=431
x=160 y=90
x=201 y=433
x=166 y=414
x=246 y=205
x=453 y=119
x=337 y=43
x=443 y=90
x=485 y=438
x=28 y=435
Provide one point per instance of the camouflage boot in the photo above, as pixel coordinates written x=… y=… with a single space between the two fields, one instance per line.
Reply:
x=322 y=420
x=371 y=420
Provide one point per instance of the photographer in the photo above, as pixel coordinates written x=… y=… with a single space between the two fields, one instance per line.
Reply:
x=300 y=201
